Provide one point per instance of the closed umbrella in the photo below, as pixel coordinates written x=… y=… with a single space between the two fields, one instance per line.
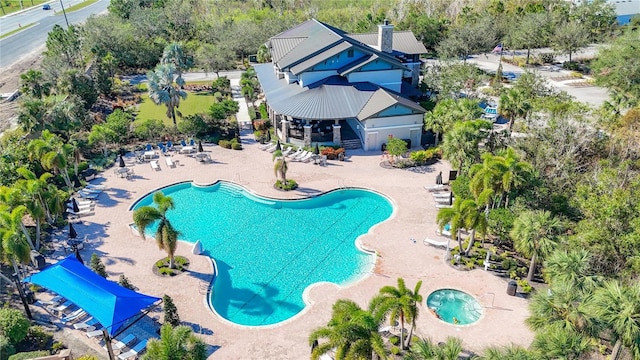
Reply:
x=76 y=252
x=278 y=146
x=72 y=232
x=121 y=163
x=451 y=198
x=316 y=151
x=74 y=206
x=268 y=135
x=439 y=178
x=76 y=182
x=200 y=149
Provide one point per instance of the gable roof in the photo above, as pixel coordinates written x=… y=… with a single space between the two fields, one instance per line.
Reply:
x=403 y=41
x=328 y=99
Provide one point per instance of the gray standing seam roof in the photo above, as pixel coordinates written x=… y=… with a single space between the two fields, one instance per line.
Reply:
x=403 y=41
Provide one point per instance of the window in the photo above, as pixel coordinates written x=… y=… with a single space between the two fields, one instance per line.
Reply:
x=350 y=53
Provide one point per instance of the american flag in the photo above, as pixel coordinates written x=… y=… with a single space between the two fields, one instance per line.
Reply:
x=497 y=49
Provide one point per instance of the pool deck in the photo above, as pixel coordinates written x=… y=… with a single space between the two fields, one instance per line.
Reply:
x=122 y=251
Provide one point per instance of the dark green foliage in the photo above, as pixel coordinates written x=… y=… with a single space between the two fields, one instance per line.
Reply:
x=460 y=187
x=289 y=185
x=500 y=223
x=149 y=129
x=263 y=111
x=221 y=85
x=223 y=109
x=6 y=348
x=37 y=339
x=226 y=144
x=396 y=147
x=124 y=282
x=97 y=266
x=194 y=125
x=13 y=324
x=29 y=355
x=170 y=312
x=119 y=122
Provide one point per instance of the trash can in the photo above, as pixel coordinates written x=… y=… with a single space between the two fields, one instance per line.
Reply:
x=37 y=260
x=30 y=296
x=512 y=287
x=383 y=147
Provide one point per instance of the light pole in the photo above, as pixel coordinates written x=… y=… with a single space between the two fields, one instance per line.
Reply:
x=65 y=14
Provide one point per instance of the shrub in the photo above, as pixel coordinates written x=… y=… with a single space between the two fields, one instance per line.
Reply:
x=331 y=152
x=56 y=347
x=14 y=324
x=6 y=348
x=263 y=111
x=170 y=311
x=290 y=185
x=37 y=339
x=395 y=350
x=424 y=156
x=29 y=355
x=125 y=283
x=525 y=286
x=394 y=340
x=225 y=144
x=236 y=146
x=547 y=58
x=509 y=264
x=97 y=266
x=166 y=271
x=87 y=357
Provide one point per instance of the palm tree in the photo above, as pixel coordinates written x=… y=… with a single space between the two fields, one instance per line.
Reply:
x=453 y=216
x=280 y=167
x=514 y=104
x=460 y=145
x=572 y=267
x=618 y=307
x=352 y=332
x=14 y=245
x=475 y=220
x=166 y=236
x=177 y=343
x=398 y=304
x=32 y=83
x=34 y=192
x=535 y=234
x=514 y=172
x=163 y=91
x=53 y=154
x=510 y=352
x=174 y=54
x=557 y=342
x=426 y=349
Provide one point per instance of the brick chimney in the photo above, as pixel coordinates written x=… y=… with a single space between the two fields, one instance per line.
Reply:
x=385 y=37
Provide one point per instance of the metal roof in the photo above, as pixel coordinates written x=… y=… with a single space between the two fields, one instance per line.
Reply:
x=403 y=41
x=315 y=37
x=328 y=99
x=320 y=57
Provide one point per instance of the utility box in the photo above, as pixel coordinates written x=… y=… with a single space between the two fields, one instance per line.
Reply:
x=512 y=287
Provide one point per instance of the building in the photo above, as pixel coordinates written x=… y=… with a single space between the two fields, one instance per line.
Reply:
x=625 y=9
x=326 y=86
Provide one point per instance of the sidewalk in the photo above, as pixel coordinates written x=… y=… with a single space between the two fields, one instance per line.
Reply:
x=244 y=121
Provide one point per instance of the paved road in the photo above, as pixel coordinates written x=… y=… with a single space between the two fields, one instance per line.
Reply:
x=14 y=47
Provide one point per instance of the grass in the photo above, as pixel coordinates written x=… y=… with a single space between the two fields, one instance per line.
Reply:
x=80 y=6
x=193 y=104
x=17 y=30
x=11 y=6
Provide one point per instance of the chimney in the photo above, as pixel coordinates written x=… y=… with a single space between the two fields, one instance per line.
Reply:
x=385 y=37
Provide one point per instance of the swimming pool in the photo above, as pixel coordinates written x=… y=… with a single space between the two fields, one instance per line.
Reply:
x=268 y=251
x=454 y=306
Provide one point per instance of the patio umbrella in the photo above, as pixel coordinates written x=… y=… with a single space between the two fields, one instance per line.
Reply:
x=74 y=207
x=76 y=252
x=200 y=149
x=316 y=151
x=72 y=232
x=121 y=163
x=268 y=135
x=451 y=198
x=278 y=146
x=439 y=178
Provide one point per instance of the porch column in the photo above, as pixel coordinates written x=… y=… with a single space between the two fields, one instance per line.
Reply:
x=285 y=130
x=337 y=137
x=307 y=135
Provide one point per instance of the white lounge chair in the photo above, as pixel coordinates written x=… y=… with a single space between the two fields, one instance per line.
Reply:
x=82 y=212
x=433 y=188
x=287 y=151
x=121 y=344
x=97 y=187
x=87 y=325
x=271 y=148
x=441 y=194
x=295 y=153
x=169 y=162
x=62 y=307
x=135 y=350
x=443 y=201
x=94 y=333
x=307 y=157
x=267 y=146
x=443 y=206
x=82 y=206
x=73 y=316
x=301 y=155
x=154 y=165
x=435 y=243
x=92 y=190
x=86 y=195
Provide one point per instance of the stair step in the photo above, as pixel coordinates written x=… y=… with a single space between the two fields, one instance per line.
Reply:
x=351 y=144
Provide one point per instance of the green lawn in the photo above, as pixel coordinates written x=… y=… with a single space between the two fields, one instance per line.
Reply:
x=24 y=27
x=79 y=6
x=193 y=104
x=11 y=6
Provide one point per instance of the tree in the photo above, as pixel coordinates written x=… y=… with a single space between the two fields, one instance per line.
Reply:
x=469 y=38
x=460 y=145
x=215 y=58
x=177 y=343
x=398 y=304
x=618 y=306
x=125 y=283
x=570 y=38
x=396 y=147
x=454 y=217
x=535 y=234
x=15 y=248
x=529 y=31
x=598 y=16
x=96 y=265
x=449 y=80
x=13 y=324
x=33 y=84
x=65 y=45
x=166 y=236
x=163 y=91
x=171 y=316
x=101 y=135
x=11 y=222
x=352 y=332
x=53 y=154
x=426 y=349
x=510 y=352
x=514 y=104
x=449 y=111
x=175 y=54
x=571 y=267
x=149 y=129
x=280 y=167
x=559 y=343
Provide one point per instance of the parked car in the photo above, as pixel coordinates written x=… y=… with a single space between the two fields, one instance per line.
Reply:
x=46 y=7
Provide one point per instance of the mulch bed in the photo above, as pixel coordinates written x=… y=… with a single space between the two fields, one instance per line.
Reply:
x=165 y=271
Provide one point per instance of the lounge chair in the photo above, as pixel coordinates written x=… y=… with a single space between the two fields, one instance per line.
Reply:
x=170 y=162
x=94 y=333
x=192 y=142
x=134 y=351
x=301 y=155
x=295 y=153
x=443 y=206
x=441 y=194
x=92 y=190
x=435 y=243
x=443 y=201
x=87 y=325
x=433 y=188
x=82 y=212
x=62 y=307
x=307 y=157
x=287 y=151
x=270 y=148
x=86 y=195
x=81 y=207
x=73 y=316
x=53 y=302
x=121 y=344
x=97 y=187
x=154 y=165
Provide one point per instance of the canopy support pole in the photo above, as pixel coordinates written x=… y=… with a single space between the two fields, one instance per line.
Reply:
x=23 y=296
x=107 y=340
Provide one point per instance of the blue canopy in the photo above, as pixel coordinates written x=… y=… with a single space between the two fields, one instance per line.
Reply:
x=105 y=300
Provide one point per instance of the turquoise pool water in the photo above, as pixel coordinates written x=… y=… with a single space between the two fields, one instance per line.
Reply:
x=450 y=304
x=268 y=251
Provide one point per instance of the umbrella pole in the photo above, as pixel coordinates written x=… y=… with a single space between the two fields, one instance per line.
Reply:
x=107 y=340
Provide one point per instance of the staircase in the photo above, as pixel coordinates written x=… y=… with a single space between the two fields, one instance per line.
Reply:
x=352 y=144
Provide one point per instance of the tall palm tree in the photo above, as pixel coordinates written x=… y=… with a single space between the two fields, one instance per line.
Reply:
x=514 y=104
x=163 y=90
x=510 y=352
x=166 y=236
x=174 y=54
x=453 y=216
x=475 y=220
x=426 y=349
x=618 y=307
x=398 y=304
x=513 y=171
x=280 y=167
x=557 y=342
x=352 y=332
x=460 y=144
x=572 y=267
x=14 y=244
x=179 y=343
x=535 y=235
x=53 y=154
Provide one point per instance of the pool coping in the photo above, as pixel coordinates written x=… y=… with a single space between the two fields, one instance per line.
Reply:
x=207 y=301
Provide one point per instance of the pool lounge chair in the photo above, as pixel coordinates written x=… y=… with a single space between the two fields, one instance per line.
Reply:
x=97 y=187
x=301 y=155
x=76 y=315
x=435 y=188
x=441 y=194
x=295 y=153
x=121 y=344
x=154 y=165
x=81 y=207
x=53 y=302
x=134 y=351
x=87 y=325
x=307 y=157
x=86 y=195
x=82 y=212
x=61 y=308
x=170 y=162
x=435 y=243
x=94 y=333
x=287 y=151
x=443 y=206
x=271 y=147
